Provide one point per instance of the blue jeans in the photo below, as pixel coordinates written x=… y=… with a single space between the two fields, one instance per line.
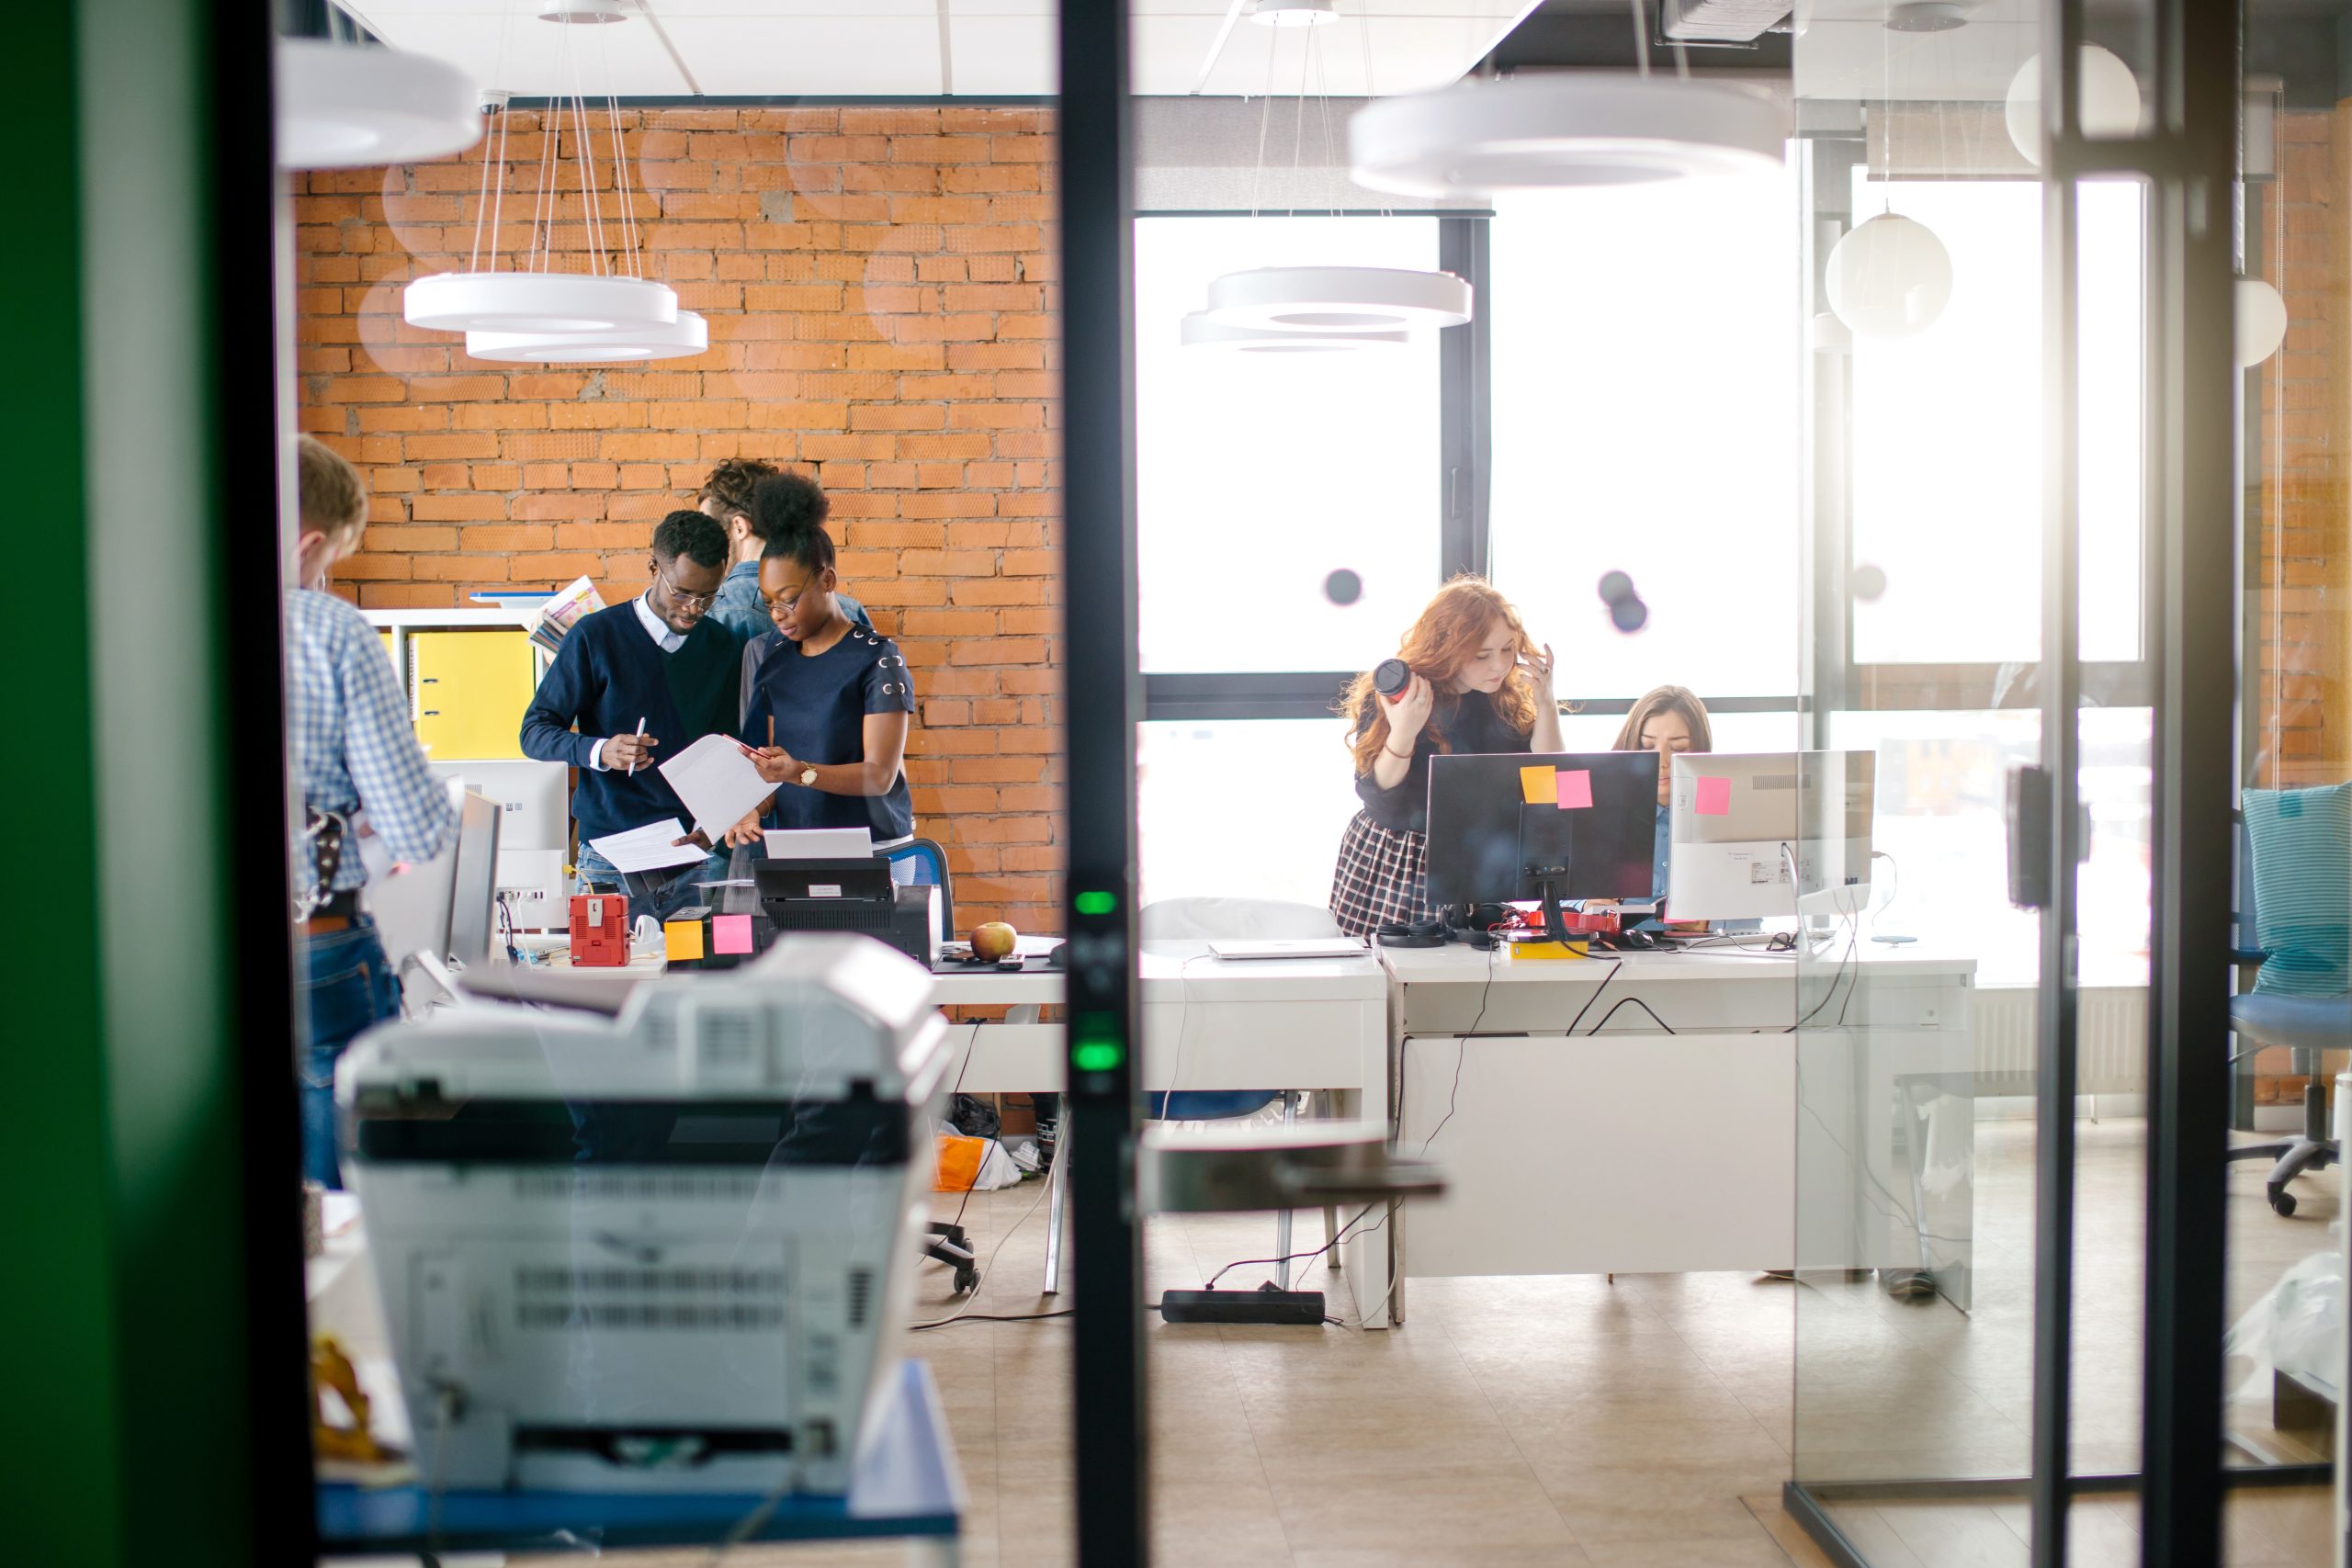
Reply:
x=347 y=986
x=660 y=893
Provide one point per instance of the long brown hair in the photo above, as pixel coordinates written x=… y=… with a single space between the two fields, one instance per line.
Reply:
x=1679 y=700
x=1442 y=641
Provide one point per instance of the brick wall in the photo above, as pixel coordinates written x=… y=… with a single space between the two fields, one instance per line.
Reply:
x=881 y=293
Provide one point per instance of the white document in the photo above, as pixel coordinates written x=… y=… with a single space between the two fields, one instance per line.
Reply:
x=821 y=843
x=654 y=848
x=719 y=784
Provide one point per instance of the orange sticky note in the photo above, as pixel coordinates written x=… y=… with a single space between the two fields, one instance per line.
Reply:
x=1574 y=790
x=681 y=940
x=730 y=933
x=1535 y=785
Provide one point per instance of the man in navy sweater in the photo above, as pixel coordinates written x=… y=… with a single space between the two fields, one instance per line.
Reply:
x=658 y=664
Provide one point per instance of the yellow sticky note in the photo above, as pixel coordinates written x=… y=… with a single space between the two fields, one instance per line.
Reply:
x=1540 y=786
x=683 y=940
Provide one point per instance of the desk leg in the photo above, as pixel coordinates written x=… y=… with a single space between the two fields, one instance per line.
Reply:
x=1055 y=1188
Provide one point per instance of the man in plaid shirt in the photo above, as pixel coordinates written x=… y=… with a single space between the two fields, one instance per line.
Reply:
x=357 y=760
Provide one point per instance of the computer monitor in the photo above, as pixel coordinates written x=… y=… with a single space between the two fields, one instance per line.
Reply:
x=412 y=906
x=1770 y=833
x=1519 y=827
x=473 y=905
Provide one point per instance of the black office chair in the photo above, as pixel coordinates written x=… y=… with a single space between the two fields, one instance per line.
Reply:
x=2306 y=1025
x=947 y=1243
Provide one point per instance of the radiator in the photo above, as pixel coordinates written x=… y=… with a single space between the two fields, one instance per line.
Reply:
x=2110 y=1037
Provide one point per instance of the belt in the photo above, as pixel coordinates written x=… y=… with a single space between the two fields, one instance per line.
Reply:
x=337 y=914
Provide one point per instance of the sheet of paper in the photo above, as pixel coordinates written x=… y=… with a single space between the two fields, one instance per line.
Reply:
x=730 y=933
x=651 y=848
x=682 y=941
x=821 y=843
x=1574 y=790
x=1536 y=785
x=718 y=783
x=1714 y=798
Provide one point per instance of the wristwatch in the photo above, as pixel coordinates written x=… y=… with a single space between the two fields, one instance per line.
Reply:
x=809 y=776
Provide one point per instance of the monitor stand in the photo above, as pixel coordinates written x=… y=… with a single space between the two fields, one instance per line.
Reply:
x=1548 y=879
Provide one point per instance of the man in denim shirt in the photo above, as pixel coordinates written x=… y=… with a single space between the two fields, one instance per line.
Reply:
x=726 y=496
x=356 y=761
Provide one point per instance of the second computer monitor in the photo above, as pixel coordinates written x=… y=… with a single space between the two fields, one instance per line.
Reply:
x=474 y=893
x=1771 y=833
x=1502 y=825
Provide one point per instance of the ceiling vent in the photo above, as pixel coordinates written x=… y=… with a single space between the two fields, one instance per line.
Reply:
x=1719 y=21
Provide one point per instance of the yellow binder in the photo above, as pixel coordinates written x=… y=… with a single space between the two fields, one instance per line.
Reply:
x=470 y=688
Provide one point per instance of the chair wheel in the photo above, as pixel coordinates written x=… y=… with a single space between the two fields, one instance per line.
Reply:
x=2284 y=1202
x=965 y=1280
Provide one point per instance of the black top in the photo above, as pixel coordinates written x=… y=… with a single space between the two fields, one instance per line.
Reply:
x=1470 y=727
x=610 y=673
x=819 y=707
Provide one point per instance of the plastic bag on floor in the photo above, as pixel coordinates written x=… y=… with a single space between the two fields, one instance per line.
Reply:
x=974 y=1165
x=2296 y=1328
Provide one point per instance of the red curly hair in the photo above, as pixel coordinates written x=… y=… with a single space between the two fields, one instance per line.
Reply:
x=1444 y=639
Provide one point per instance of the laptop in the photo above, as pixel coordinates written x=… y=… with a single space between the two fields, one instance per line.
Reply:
x=1292 y=947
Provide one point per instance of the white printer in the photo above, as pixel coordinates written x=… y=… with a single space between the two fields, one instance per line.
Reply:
x=670 y=1249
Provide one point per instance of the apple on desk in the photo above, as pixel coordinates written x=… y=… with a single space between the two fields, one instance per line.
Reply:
x=994 y=942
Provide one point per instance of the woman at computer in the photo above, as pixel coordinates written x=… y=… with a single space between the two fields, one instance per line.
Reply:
x=1670 y=721
x=825 y=702
x=1479 y=683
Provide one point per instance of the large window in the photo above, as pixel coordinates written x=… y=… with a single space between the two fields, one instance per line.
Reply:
x=1258 y=476
x=1645 y=392
x=1947 y=433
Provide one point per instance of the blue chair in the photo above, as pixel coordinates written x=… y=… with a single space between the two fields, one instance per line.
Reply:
x=931 y=870
x=2296 y=858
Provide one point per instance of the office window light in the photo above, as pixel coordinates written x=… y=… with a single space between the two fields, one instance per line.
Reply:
x=1259 y=475
x=1646 y=383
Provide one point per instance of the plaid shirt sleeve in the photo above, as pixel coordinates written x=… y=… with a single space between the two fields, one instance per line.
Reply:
x=353 y=745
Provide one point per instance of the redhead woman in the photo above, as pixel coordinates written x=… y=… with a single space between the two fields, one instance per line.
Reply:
x=1479 y=684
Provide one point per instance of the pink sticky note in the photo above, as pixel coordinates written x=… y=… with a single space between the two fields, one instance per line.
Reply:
x=730 y=933
x=1715 y=797
x=1575 y=789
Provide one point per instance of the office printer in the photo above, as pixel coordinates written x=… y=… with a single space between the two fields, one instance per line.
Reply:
x=672 y=1249
x=850 y=896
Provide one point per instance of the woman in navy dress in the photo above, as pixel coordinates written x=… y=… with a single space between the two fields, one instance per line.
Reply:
x=826 y=702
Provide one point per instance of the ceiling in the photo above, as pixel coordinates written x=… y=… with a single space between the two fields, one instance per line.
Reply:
x=936 y=48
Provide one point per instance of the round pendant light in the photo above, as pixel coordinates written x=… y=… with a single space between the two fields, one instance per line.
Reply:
x=1890 y=277
x=2111 y=106
x=538 y=302
x=1202 y=334
x=689 y=334
x=351 y=106
x=1561 y=129
x=1339 y=299
x=2261 y=321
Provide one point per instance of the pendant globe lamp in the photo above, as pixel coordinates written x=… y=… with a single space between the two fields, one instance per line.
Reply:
x=2110 y=110
x=1889 y=279
x=2261 y=321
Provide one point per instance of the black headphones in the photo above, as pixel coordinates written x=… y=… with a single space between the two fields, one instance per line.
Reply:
x=1414 y=934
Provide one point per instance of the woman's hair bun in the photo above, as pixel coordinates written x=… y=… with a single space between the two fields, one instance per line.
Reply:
x=788 y=504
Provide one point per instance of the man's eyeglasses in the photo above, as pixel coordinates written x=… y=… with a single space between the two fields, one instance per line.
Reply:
x=682 y=598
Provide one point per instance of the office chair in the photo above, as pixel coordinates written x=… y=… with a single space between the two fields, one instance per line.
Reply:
x=931 y=870
x=2295 y=852
x=1205 y=920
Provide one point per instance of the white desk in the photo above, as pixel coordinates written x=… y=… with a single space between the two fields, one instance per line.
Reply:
x=1207 y=1024
x=1630 y=1150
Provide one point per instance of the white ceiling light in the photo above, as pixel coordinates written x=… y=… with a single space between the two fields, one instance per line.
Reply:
x=2111 y=106
x=1200 y=332
x=350 y=105
x=536 y=302
x=1561 y=128
x=1339 y=299
x=689 y=334
x=1295 y=13
x=1890 y=277
x=2261 y=321
x=591 y=12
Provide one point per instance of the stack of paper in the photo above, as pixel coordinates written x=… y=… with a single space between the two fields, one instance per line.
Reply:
x=654 y=848
x=821 y=843
x=561 y=611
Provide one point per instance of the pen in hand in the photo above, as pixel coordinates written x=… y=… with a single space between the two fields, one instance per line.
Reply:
x=632 y=761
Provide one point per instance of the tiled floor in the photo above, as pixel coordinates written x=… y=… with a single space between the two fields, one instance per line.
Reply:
x=1571 y=1421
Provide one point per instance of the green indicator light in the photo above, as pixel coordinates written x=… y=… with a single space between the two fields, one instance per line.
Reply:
x=1096 y=903
x=1097 y=1055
